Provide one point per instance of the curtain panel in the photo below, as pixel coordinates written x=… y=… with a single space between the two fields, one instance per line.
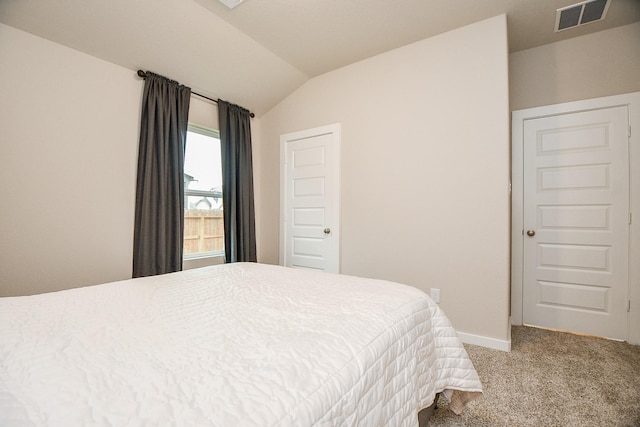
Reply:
x=237 y=183
x=159 y=212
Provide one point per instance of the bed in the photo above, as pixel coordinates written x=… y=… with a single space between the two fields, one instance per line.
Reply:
x=235 y=345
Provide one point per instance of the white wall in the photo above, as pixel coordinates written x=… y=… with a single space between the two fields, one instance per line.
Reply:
x=68 y=148
x=592 y=66
x=425 y=169
x=203 y=113
x=69 y=129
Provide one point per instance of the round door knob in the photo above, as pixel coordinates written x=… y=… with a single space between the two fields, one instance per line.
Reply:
x=531 y=233
x=327 y=230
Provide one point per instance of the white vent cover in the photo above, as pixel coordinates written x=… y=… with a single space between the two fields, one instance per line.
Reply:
x=231 y=3
x=581 y=13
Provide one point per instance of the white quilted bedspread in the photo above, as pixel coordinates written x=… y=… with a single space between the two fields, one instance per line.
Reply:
x=232 y=345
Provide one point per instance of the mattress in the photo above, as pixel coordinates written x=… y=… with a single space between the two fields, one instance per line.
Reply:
x=234 y=345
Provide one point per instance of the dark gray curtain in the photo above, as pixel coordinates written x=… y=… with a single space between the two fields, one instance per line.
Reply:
x=237 y=183
x=159 y=216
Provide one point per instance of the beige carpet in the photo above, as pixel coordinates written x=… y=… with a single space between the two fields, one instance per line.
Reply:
x=553 y=379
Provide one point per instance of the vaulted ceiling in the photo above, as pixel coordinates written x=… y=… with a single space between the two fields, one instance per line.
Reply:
x=262 y=50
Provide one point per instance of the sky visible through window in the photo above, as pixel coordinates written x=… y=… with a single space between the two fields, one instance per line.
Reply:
x=202 y=161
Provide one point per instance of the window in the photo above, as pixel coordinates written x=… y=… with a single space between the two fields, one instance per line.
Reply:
x=203 y=223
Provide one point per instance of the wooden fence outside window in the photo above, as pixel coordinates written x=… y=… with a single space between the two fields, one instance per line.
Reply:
x=203 y=231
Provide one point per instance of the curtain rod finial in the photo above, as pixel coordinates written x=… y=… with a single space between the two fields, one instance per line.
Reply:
x=142 y=74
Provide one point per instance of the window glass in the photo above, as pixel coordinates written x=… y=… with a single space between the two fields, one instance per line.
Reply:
x=203 y=221
x=202 y=167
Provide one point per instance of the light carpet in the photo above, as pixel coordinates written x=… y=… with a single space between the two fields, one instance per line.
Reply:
x=553 y=379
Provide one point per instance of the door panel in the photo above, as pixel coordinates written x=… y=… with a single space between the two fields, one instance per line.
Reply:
x=577 y=217
x=576 y=210
x=310 y=199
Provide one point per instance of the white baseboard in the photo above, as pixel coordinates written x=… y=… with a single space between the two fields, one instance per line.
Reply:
x=485 y=341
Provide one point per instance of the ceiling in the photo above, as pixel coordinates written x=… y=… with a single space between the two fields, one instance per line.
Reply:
x=262 y=50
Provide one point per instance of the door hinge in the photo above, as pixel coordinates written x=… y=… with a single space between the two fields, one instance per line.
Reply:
x=628 y=306
x=629 y=133
x=629 y=218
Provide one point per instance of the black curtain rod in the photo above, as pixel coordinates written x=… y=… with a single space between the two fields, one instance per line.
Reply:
x=143 y=75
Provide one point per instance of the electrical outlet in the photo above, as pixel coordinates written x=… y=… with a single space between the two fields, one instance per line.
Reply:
x=435 y=295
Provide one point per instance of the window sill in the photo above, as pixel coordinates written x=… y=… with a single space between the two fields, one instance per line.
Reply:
x=202 y=261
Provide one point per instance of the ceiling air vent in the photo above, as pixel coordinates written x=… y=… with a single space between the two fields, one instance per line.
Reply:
x=581 y=13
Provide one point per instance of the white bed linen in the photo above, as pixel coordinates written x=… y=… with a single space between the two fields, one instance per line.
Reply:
x=232 y=345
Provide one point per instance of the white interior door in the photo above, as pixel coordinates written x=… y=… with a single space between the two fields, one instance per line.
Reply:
x=310 y=199
x=576 y=222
